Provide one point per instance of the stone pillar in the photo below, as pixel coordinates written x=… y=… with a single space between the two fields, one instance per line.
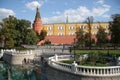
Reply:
x=107 y=71
x=110 y=71
x=31 y=51
x=2 y=52
x=74 y=67
x=91 y=71
x=101 y=71
x=56 y=57
x=83 y=70
x=87 y=70
x=94 y=71
x=118 y=70
x=97 y=71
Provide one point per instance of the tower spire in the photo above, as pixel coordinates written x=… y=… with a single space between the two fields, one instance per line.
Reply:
x=37 y=13
x=67 y=19
x=37 y=25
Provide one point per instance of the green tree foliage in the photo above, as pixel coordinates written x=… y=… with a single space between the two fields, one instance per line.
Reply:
x=101 y=36
x=30 y=40
x=16 y=32
x=89 y=22
x=42 y=35
x=87 y=39
x=80 y=37
x=115 y=29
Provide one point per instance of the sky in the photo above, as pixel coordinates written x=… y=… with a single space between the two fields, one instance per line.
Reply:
x=57 y=11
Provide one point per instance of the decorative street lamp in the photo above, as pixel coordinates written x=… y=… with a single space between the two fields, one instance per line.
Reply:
x=74 y=49
x=70 y=50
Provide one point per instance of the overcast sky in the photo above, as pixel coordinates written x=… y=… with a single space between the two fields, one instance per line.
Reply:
x=55 y=11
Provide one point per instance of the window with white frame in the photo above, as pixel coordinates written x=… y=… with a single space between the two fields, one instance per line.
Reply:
x=50 y=27
x=71 y=27
x=94 y=27
x=82 y=27
x=106 y=27
x=94 y=33
x=60 y=28
x=60 y=34
x=71 y=33
x=49 y=34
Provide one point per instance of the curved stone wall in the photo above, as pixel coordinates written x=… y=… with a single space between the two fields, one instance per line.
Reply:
x=56 y=74
x=16 y=58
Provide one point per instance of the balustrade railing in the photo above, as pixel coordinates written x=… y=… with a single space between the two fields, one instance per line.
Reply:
x=82 y=70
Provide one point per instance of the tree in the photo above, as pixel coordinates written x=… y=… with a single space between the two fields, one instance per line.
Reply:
x=8 y=31
x=42 y=35
x=80 y=37
x=101 y=35
x=87 y=39
x=31 y=40
x=115 y=29
x=16 y=32
x=89 y=22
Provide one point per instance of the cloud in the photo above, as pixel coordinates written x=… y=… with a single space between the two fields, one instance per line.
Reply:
x=32 y=5
x=56 y=12
x=100 y=2
x=80 y=14
x=5 y=13
x=106 y=16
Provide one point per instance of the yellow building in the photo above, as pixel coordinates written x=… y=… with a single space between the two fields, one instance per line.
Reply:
x=64 y=33
x=65 y=29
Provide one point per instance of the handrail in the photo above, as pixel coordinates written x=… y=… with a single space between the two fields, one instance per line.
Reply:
x=82 y=70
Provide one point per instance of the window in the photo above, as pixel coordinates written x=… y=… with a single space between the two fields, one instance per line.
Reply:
x=50 y=27
x=71 y=27
x=106 y=27
x=82 y=27
x=60 y=28
x=94 y=33
x=71 y=33
x=95 y=27
x=49 y=34
x=60 y=34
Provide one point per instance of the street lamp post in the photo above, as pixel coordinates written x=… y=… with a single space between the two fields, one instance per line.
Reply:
x=74 y=49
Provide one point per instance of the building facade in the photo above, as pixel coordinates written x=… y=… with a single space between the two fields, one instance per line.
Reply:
x=64 y=33
x=69 y=29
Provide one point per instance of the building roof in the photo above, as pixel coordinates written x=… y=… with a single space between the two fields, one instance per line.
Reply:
x=61 y=39
x=73 y=23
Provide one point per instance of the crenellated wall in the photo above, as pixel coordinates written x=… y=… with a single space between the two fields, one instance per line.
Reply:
x=17 y=57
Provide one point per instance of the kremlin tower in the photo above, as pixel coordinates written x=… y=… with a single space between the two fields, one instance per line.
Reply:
x=37 y=25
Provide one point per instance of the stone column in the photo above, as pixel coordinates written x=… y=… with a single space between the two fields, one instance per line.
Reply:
x=94 y=71
x=90 y=71
x=101 y=71
x=107 y=71
x=87 y=70
x=118 y=70
x=104 y=71
x=110 y=71
x=74 y=67
x=98 y=71
x=83 y=70
x=56 y=57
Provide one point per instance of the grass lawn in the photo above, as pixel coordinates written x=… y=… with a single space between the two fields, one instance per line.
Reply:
x=101 y=61
x=111 y=52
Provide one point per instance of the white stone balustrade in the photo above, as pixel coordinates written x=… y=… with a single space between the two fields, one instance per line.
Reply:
x=82 y=70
